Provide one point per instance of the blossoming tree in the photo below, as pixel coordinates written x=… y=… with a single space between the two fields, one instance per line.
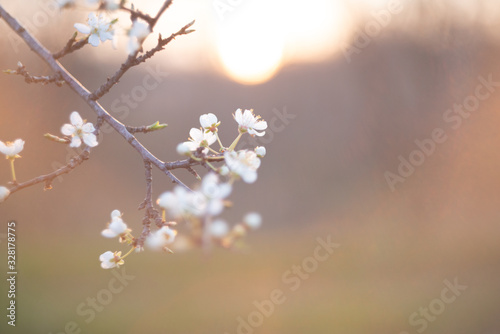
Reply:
x=197 y=208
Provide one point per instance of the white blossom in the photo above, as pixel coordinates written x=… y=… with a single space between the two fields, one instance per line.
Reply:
x=137 y=34
x=215 y=193
x=183 y=148
x=219 y=228
x=248 y=122
x=4 y=193
x=223 y=170
x=209 y=122
x=243 y=163
x=116 y=227
x=253 y=220
x=260 y=151
x=79 y=130
x=180 y=203
x=161 y=238
x=111 y=260
x=99 y=28
x=12 y=149
x=200 y=139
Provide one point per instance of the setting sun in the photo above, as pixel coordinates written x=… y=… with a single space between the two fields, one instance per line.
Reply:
x=254 y=39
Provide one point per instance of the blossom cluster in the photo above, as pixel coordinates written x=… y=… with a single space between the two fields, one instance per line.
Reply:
x=198 y=210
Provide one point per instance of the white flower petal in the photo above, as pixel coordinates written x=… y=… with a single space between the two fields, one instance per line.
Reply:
x=196 y=134
x=76 y=119
x=115 y=213
x=108 y=233
x=90 y=139
x=4 y=193
x=94 y=40
x=68 y=129
x=82 y=28
x=75 y=142
x=88 y=127
x=249 y=176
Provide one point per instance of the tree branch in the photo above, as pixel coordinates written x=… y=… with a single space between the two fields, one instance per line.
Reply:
x=48 y=178
x=71 y=46
x=133 y=60
x=28 y=78
x=79 y=89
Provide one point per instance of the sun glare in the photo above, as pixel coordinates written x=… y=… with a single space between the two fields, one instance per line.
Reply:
x=255 y=38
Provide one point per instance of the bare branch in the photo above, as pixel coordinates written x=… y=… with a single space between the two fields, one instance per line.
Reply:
x=135 y=13
x=132 y=61
x=48 y=178
x=43 y=79
x=162 y=42
x=163 y=8
x=71 y=46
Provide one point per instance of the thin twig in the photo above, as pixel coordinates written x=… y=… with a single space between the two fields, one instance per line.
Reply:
x=135 y=13
x=132 y=61
x=143 y=129
x=43 y=79
x=71 y=46
x=162 y=42
x=163 y=8
x=48 y=178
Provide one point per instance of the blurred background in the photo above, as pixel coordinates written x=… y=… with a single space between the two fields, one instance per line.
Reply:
x=348 y=87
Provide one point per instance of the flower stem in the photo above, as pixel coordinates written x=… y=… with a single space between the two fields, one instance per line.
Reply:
x=213 y=151
x=12 y=170
x=211 y=166
x=128 y=253
x=233 y=145
x=218 y=140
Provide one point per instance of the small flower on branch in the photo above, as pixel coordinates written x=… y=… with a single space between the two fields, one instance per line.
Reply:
x=244 y=164
x=117 y=227
x=111 y=260
x=161 y=238
x=79 y=130
x=12 y=149
x=248 y=122
x=137 y=34
x=209 y=122
x=200 y=138
x=99 y=28
x=260 y=151
x=4 y=193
